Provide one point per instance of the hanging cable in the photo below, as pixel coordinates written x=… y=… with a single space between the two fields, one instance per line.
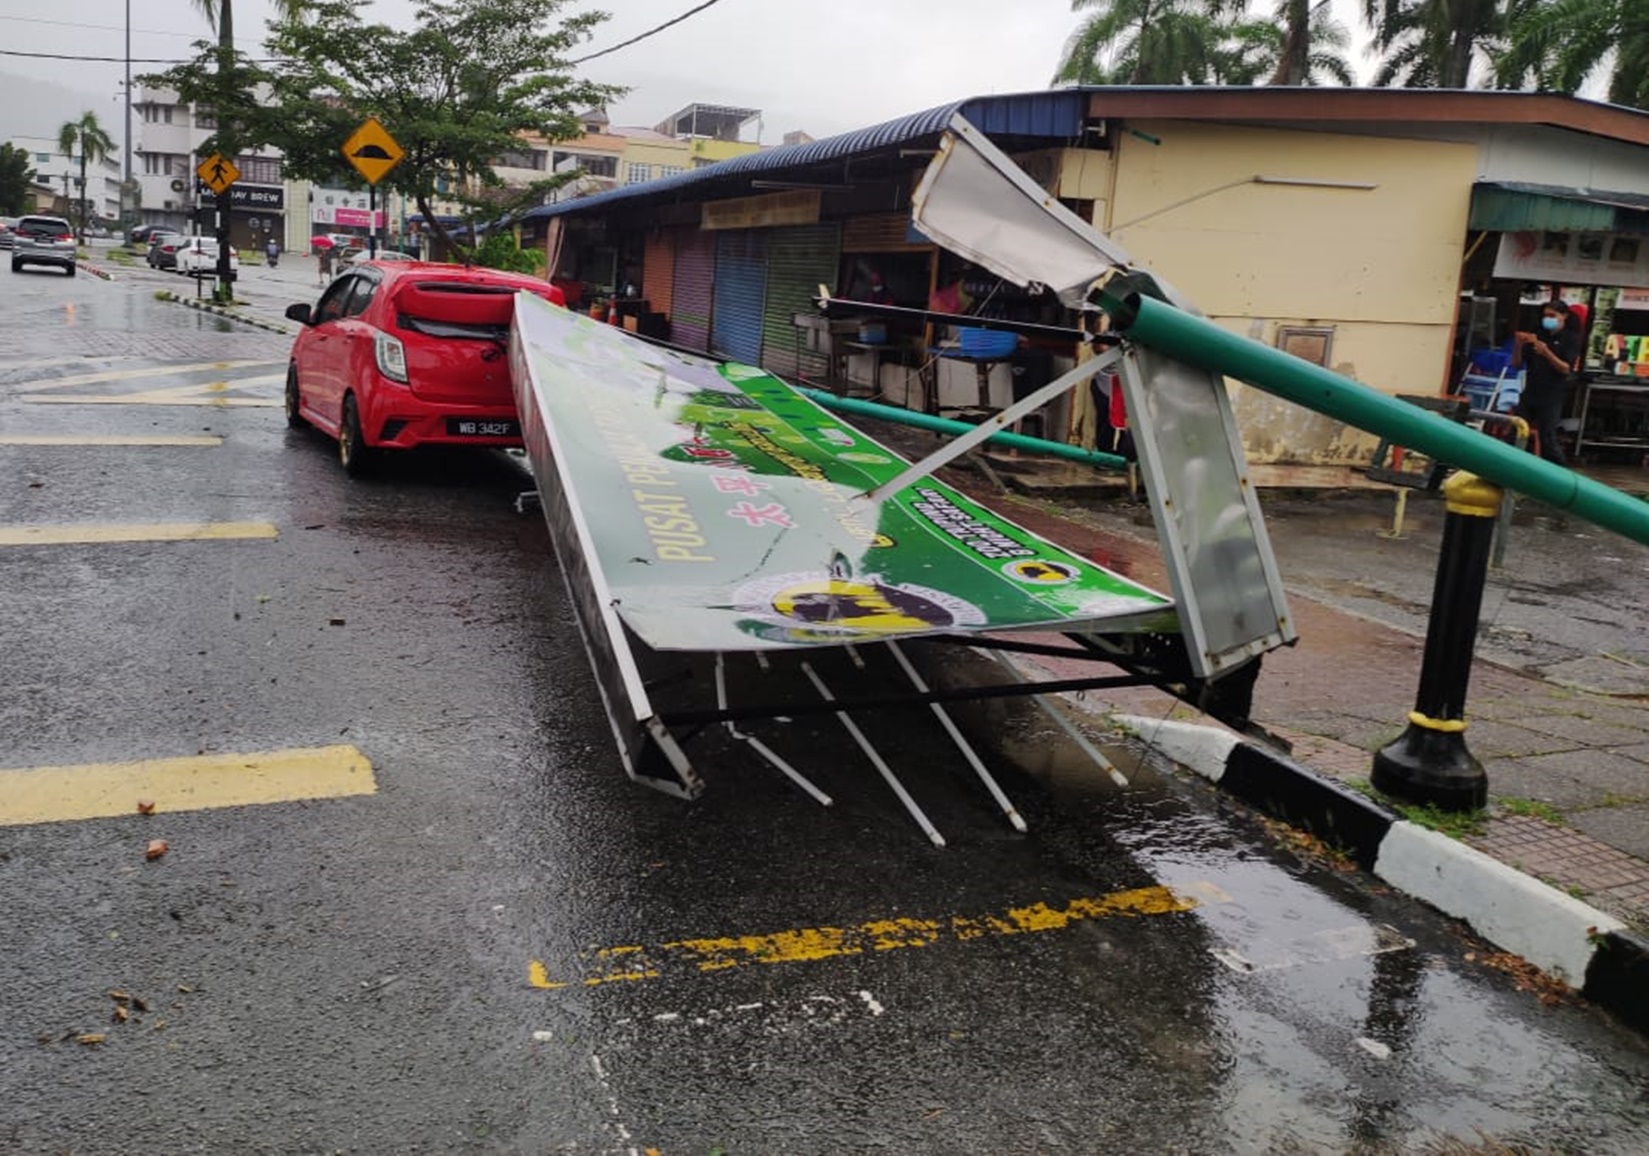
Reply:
x=645 y=35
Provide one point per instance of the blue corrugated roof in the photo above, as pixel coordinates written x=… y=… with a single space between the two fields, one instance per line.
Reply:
x=1056 y=115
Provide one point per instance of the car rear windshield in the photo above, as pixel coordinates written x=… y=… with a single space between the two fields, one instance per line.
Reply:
x=455 y=309
x=43 y=226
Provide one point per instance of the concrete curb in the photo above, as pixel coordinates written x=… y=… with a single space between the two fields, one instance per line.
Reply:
x=1570 y=940
x=96 y=271
x=226 y=311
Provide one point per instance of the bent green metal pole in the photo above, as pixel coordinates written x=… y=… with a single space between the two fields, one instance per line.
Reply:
x=946 y=425
x=1202 y=343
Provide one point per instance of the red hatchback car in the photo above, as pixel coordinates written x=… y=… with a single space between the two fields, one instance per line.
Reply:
x=408 y=354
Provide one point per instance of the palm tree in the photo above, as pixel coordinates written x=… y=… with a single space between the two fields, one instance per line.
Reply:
x=220 y=17
x=1560 y=44
x=88 y=138
x=1145 y=42
x=1263 y=51
x=1306 y=44
x=1434 y=43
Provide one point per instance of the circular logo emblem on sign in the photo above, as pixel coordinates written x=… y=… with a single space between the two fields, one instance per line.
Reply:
x=1037 y=572
x=854 y=605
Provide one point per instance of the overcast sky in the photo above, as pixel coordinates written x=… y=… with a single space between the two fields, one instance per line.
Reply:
x=825 y=67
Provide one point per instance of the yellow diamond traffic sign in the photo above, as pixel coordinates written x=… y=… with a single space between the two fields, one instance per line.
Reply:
x=372 y=150
x=217 y=172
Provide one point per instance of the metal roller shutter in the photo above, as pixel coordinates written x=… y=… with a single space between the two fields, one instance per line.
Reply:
x=799 y=259
x=690 y=290
x=658 y=270
x=741 y=288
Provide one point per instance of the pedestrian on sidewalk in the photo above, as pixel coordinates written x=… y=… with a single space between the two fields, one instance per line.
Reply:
x=1548 y=358
x=323 y=254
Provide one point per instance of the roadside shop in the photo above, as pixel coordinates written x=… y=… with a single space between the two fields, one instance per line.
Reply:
x=1589 y=249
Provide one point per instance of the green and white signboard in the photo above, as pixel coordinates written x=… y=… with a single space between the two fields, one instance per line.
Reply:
x=718 y=510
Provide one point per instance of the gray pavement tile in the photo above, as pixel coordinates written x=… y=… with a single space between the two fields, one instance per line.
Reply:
x=1589 y=732
x=1515 y=778
x=1491 y=739
x=1625 y=827
x=1638 y=753
x=1584 y=778
x=1620 y=712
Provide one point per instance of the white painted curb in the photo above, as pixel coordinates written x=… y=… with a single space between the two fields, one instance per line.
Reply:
x=1514 y=911
x=1203 y=749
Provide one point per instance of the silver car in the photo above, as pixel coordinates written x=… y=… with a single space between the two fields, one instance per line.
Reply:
x=43 y=241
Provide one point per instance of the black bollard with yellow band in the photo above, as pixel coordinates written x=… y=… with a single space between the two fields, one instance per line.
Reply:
x=1429 y=762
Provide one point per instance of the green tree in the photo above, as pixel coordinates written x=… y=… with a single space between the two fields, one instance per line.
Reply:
x=93 y=143
x=1146 y=42
x=1434 y=43
x=16 y=174
x=1561 y=44
x=456 y=92
x=226 y=84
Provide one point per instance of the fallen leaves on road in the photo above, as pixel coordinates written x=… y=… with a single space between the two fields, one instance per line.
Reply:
x=156 y=848
x=145 y=806
x=89 y=1038
x=1526 y=976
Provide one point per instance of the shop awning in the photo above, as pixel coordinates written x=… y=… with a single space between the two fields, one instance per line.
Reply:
x=1512 y=206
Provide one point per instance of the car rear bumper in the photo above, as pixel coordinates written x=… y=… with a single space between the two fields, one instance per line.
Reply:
x=403 y=423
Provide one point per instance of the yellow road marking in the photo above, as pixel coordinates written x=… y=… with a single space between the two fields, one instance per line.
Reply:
x=144 y=399
x=198 y=393
x=632 y=962
x=133 y=374
x=134 y=532
x=109 y=440
x=103 y=790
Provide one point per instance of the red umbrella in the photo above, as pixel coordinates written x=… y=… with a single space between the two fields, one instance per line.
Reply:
x=320 y=242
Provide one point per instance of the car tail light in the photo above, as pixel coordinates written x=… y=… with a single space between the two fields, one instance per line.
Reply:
x=64 y=237
x=391 y=355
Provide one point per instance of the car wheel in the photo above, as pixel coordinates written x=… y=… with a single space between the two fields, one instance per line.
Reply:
x=16 y=266
x=294 y=419
x=70 y=270
x=353 y=452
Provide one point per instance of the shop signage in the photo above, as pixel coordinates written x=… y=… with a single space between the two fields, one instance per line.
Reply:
x=1573 y=258
x=362 y=218
x=262 y=198
x=800 y=207
x=722 y=509
x=1633 y=299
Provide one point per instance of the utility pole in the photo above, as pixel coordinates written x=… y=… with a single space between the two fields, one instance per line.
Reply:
x=126 y=198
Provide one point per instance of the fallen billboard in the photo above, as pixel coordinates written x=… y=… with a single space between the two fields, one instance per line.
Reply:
x=726 y=511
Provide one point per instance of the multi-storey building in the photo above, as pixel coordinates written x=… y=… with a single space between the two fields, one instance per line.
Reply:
x=168 y=135
x=61 y=174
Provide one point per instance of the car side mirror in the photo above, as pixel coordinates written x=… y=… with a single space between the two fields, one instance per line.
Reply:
x=299 y=312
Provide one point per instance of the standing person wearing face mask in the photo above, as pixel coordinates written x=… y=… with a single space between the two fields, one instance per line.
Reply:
x=1548 y=358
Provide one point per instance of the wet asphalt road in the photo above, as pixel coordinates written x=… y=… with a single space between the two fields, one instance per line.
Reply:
x=509 y=947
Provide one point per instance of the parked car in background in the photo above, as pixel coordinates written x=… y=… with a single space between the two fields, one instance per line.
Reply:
x=140 y=235
x=198 y=256
x=356 y=256
x=8 y=231
x=163 y=247
x=43 y=241
x=404 y=354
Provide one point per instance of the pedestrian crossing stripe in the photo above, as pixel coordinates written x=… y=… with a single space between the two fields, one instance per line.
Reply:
x=133 y=374
x=79 y=440
x=59 y=794
x=214 y=393
x=89 y=534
